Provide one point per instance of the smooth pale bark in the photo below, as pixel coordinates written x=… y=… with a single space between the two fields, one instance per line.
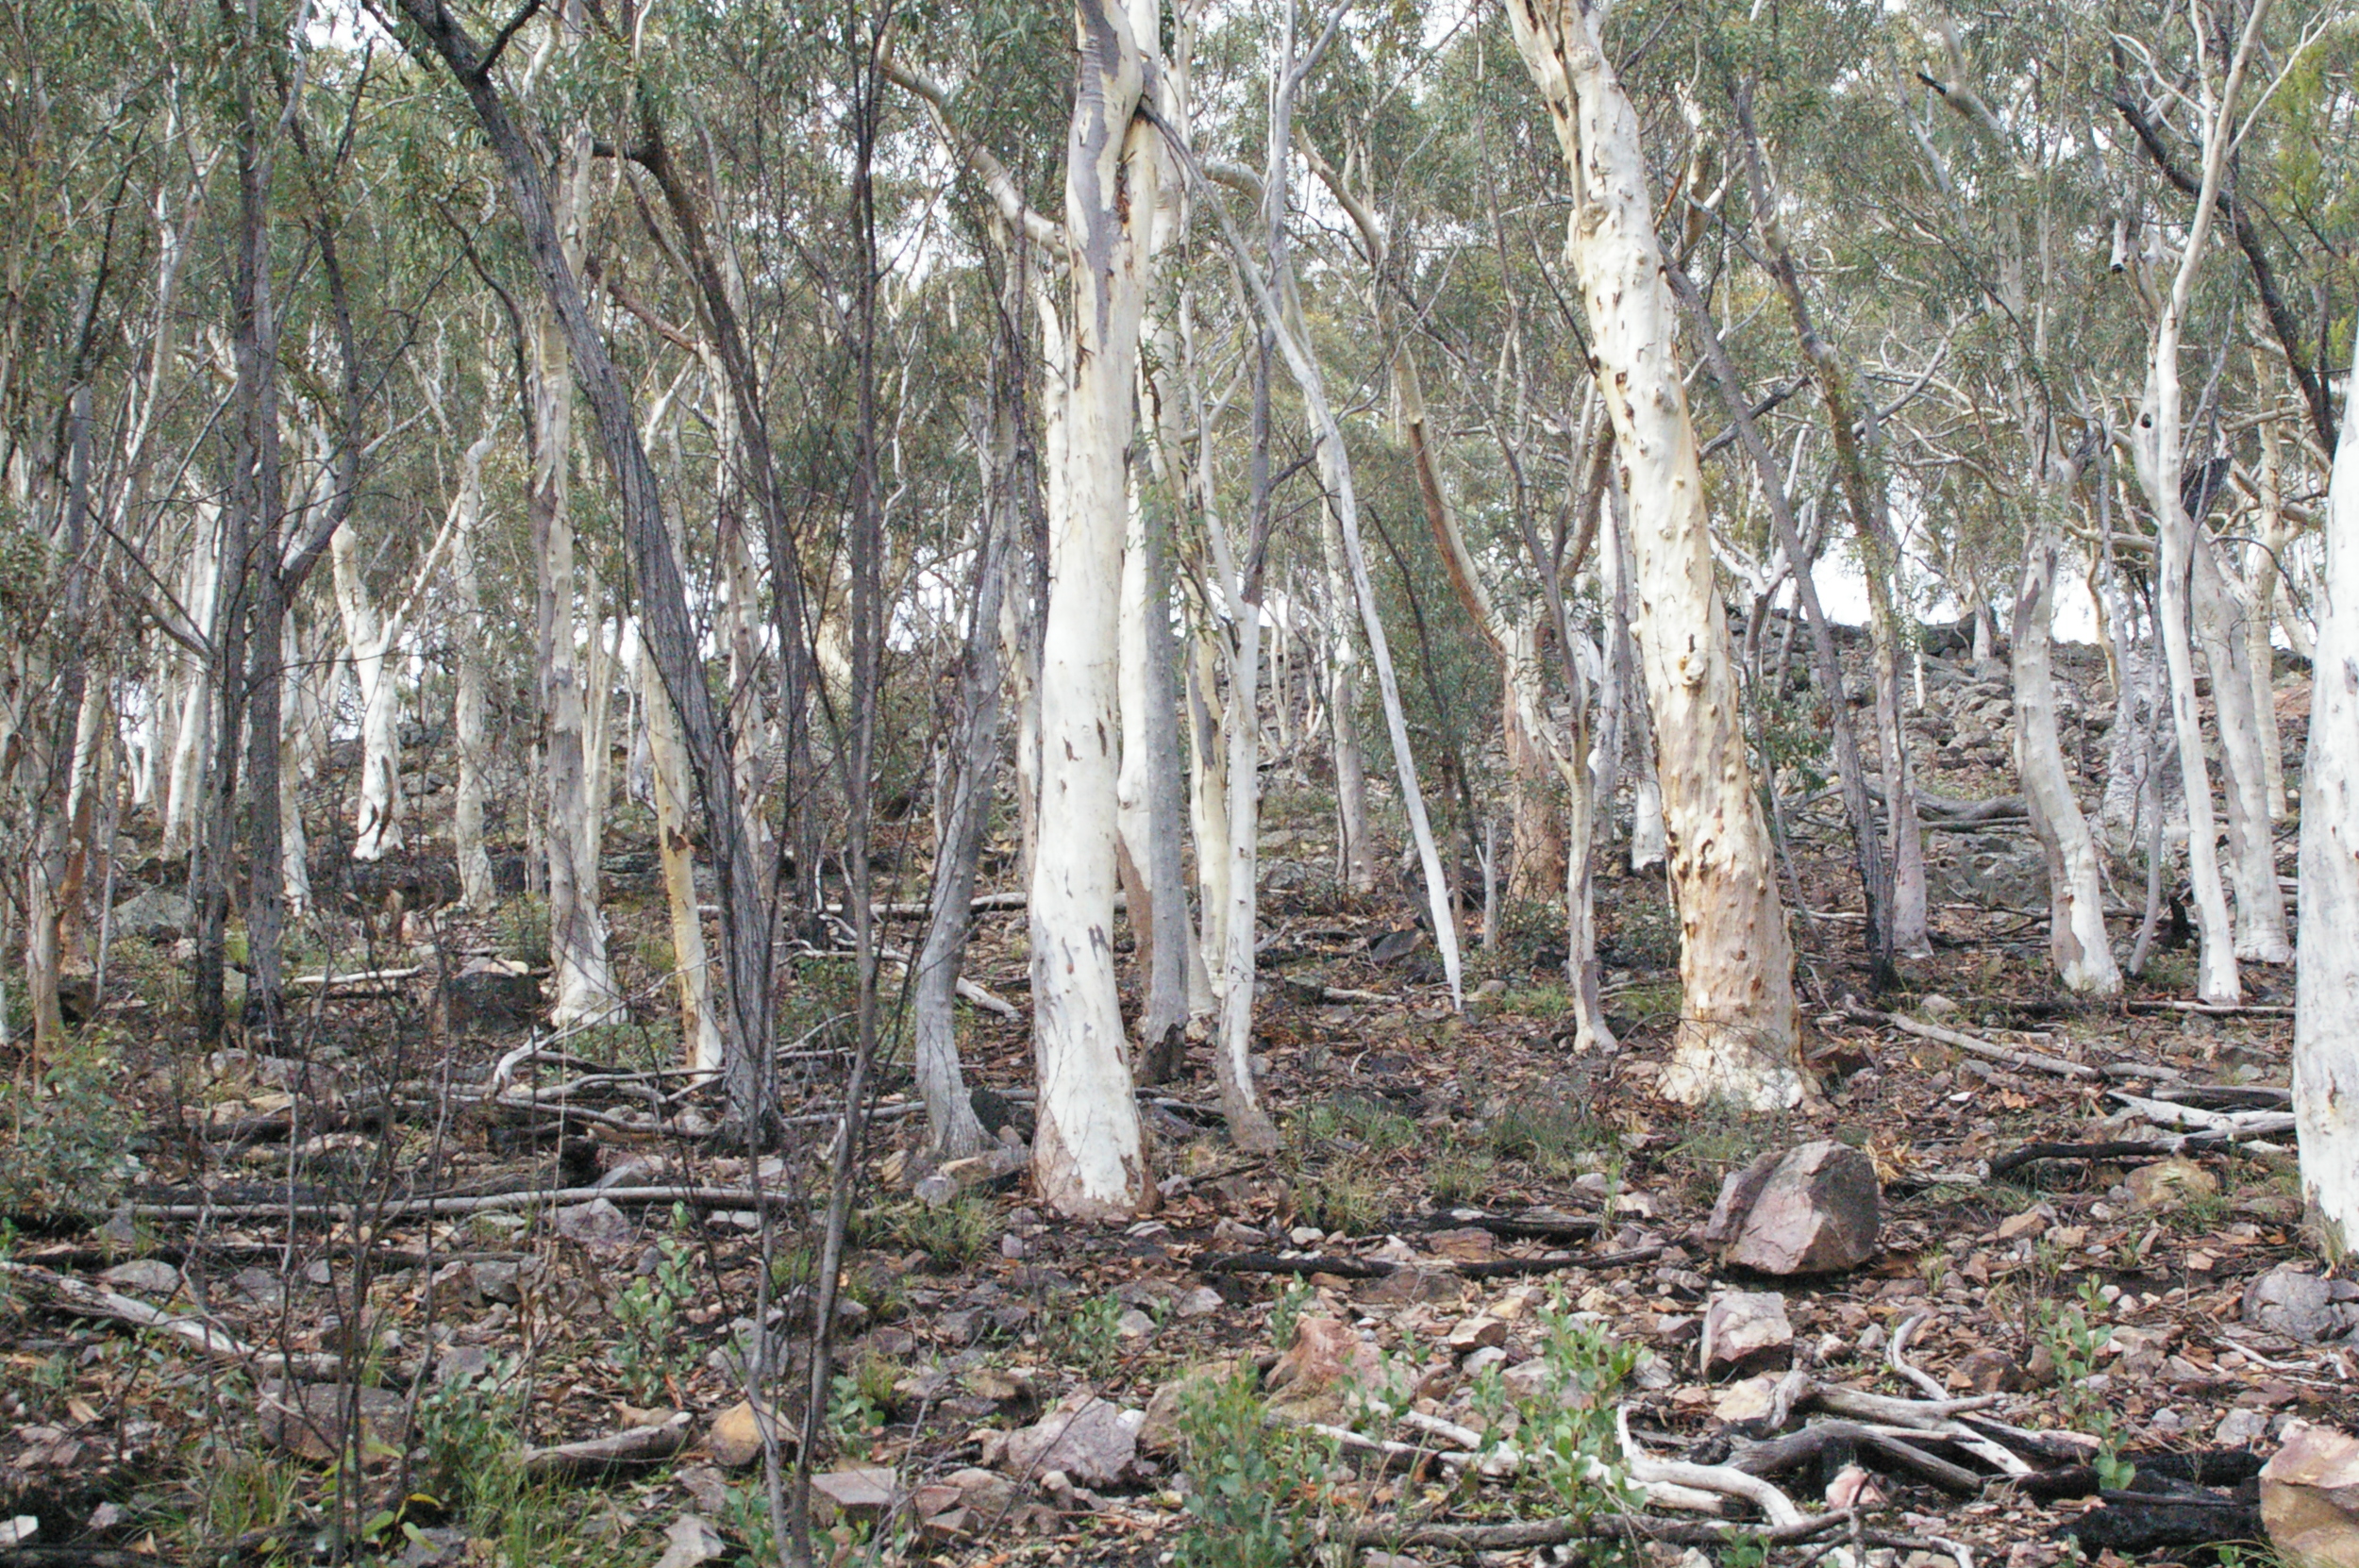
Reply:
x=2156 y=445
x=192 y=739
x=299 y=727
x=954 y=1128
x=2261 y=597
x=1208 y=817
x=691 y=969
x=2076 y=895
x=2237 y=717
x=467 y=717
x=1089 y=1160
x=1737 y=1037
x=584 y=981
x=377 y=823
x=1355 y=849
x=2326 y=969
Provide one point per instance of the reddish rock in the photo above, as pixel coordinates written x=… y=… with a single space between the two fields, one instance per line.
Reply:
x=1812 y=1209
x=2310 y=1498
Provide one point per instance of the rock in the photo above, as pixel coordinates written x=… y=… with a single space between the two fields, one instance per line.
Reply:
x=1159 y=1435
x=1410 y=1284
x=1934 y=1005
x=935 y=1190
x=156 y=916
x=1745 y=1328
x=2241 y=1429
x=20 y=1530
x=2167 y=1183
x=1745 y=1403
x=691 y=1541
x=462 y=1363
x=1134 y=1325
x=307 y=1420
x=1483 y=1360
x=1319 y=1375
x=1989 y=1371
x=734 y=1438
x=1468 y=1244
x=863 y=1493
x=1092 y=1441
x=1477 y=1333
x=2310 y=1497
x=1199 y=1302
x=2298 y=1305
x=597 y=1225
x=983 y=1491
x=148 y=1275
x=487 y=996
x=1812 y=1209
x=498 y=1280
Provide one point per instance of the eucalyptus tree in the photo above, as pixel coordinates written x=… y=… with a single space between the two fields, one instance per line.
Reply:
x=2326 y=973
x=1737 y=1038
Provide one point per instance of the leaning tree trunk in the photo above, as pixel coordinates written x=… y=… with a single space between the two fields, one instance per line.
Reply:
x=2076 y=895
x=700 y=1022
x=2326 y=970
x=1737 y=1037
x=1089 y=1160
x=376 y=827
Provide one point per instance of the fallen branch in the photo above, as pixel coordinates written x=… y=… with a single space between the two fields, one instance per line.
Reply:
x=695 y=1197
x=1779 y=1455
x=2233 y=1123
x=1528 y=1534
x=2146 y=1151
x=2215 y=1009
x=640 y=1447
x=1967 y=1042
x=62 y=1293
x=1726 y=1480
x=1983 y=1448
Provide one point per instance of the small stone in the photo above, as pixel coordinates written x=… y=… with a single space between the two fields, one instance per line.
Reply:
x=1468 y=1244
x=863 y=1493
x=1134 y=1325
x=148 y=1275
x=496 y=1280
x=983 y=1491
x=1810 y=1210
x=2167 y=1183
x=1483 y=1360
x=935 y=1190
x=461 y=1363
x=1744 y=1402
x=2298 y=1305
x=1094 y=1441
x=1315 y=1380
x=19 y=1530
x=1477 y=1333
x=1989 y=1371
x=691 y=1541
x=1935 y=1006
x=2031 y=1223
x=2241 y=1429
x=307 y=1419
x=2310 y=1497
x=734 y=1438
x=1306 y=1236
x=1159 y=1434
x=1199 y=1302
x=597 y=1225
x=1745 y=1328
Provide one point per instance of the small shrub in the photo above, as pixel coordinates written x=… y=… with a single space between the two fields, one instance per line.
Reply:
x=69 y=1147
x=1258 y=1487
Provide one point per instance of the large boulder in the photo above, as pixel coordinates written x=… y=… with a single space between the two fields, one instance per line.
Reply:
x=1810 y=1210
x=2310 y=1498
x=2299 y=1305
x=159 y=915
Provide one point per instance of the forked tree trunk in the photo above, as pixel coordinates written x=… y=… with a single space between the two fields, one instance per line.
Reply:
x=1737 y=1038
x=2076 y=896
x=2238 y=718
x=2326 y=970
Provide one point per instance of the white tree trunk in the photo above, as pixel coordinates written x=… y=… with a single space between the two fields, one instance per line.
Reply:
x=298 y=717
x=1737 y=1037
x=191 y=744
x=2326 y=971
x=2261 y=616
x=2238 y=718
x=675 y=818
x=475 y=884
x=2155 y=447
x=1355 y=850
x=2076 y=895
x=1089 y=1160
x=377 y=822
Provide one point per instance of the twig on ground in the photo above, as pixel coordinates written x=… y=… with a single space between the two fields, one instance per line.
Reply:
x=66 y=1293
x=1967 y=1042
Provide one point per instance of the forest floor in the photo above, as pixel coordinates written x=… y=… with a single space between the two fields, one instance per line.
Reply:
x=1512 y=1230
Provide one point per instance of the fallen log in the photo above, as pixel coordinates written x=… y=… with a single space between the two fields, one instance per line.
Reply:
x=638 y=1448
x=1969 y=1043
x=62 y=1293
